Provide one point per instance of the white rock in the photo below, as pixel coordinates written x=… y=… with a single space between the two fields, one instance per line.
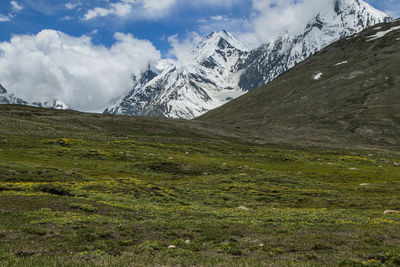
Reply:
x=171 y=246
x=243 y=208
x=187 y=242
x=364 y=184
x=391 y=211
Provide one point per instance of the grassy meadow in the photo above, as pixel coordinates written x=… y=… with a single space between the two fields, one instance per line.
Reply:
x=79 y=189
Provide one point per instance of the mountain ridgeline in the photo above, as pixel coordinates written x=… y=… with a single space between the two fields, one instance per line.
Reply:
x=347 y=93
x=222 y=69
x=168 y=90
x=6 y=98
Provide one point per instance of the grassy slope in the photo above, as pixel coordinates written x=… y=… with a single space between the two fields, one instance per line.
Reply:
x=353 y=103
x=106 y=190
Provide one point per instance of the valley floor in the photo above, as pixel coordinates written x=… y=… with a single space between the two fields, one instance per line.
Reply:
x=95 y=190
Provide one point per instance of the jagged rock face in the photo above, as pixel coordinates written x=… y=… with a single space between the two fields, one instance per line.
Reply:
x=2 y=90
x=191 y=90
x=270 y=60
x=223 y=70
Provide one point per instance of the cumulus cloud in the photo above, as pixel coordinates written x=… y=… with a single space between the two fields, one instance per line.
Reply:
x=272 y=18
x=117 y=9
x=85 y=76
x=182 y=48
x=268 y=19
x=16 y=6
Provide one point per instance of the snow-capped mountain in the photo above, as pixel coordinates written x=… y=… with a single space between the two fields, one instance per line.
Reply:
x=52 y=104
x=222 y=69
x=168 y=90
x=272 y=59
x=6 y=98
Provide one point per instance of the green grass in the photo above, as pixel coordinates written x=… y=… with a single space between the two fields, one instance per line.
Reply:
x=112 y=191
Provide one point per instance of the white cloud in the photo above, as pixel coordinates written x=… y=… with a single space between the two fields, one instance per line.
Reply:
x=150 y=9
x=117 y=9
x=135 y=8
x=87 y=77
x=268 y=19
x=181 y=49
x=4 y=18
x=66 y=18
x=72 y=6
x=217 y=3
x=16 y=6
x=217 y=18
x=155 y=8
x=272 y=18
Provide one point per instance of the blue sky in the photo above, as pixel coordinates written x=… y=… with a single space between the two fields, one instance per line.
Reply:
x=85 y=52
x=153 y=20
x=144 y=22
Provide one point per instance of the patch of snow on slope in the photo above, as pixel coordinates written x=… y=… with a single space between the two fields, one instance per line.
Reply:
x=341 y=63
x=381 y=34
x=318 y=76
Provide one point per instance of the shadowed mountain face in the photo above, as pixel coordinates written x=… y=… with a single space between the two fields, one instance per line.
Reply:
x=347 y=93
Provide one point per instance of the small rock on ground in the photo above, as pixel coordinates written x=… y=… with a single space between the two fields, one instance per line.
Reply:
x=391 y=211
x=243 y=208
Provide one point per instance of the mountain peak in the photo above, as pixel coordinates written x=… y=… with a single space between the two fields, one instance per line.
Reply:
x=344 y=19
x=348 y=7
x=215 y=41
